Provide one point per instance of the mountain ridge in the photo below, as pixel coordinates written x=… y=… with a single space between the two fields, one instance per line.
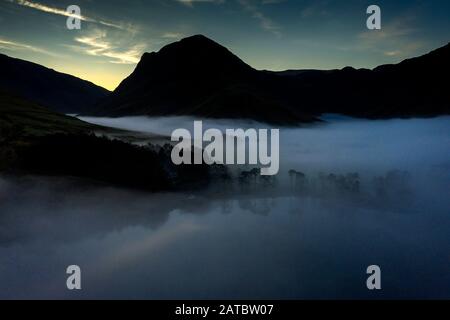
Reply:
x=60 y=92
x=197 y=76
x=203 y=77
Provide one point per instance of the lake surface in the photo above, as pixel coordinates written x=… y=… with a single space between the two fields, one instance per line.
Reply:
x=269 y=244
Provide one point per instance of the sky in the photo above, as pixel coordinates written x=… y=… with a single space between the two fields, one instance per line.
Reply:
x=267 y=34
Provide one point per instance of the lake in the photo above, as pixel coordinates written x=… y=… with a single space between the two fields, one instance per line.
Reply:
x=259 y=242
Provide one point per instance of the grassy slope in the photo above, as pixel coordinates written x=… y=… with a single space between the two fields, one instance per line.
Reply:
x=34 y=140
x=29 y=119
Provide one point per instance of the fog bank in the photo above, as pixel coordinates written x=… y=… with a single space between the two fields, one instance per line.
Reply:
x=282 y=240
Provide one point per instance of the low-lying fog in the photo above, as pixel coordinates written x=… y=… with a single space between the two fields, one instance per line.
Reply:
x=309 y=236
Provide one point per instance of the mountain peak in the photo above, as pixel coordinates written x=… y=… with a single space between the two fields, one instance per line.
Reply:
x=198 y=38
x=195 y=42
x=196 y=57
x=196 y=48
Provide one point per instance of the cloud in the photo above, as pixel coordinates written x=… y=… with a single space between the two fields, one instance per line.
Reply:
x=398 y=28
x=47 y=9
x=14 y=46
x=272 y=1
x=61 y=12
x=316 y=8
x=265 y=22
x=172 y=35
x=190 y=3
x=250 y=6
x=395 y=39
x=98 y=44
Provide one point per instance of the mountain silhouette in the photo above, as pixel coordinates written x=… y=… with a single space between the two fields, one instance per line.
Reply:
x=197 y=76
x=414 y=87
x=57 y=91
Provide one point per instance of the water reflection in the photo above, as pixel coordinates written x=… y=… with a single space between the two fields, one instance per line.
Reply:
x=309 y=233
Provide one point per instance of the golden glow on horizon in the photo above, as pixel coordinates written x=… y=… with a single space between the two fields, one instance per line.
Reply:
x=102 y=75
x=104 y=80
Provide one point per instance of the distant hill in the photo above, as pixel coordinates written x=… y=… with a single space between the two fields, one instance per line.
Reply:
x=20 y=116
x=57 y=91
x=413 y=88
x=197 y=76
